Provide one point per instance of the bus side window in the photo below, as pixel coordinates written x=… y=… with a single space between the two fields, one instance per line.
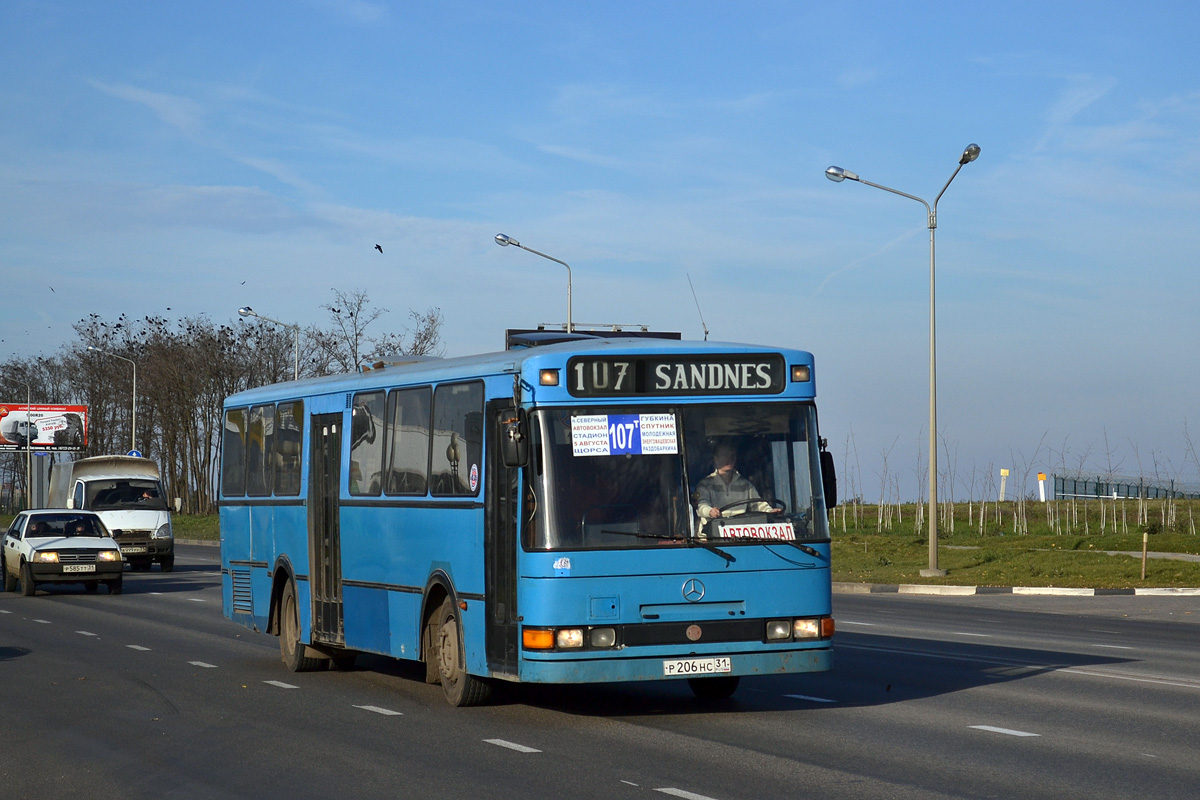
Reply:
x=288 y=445
x=457 y=438
x=260 y=430
x=366 y=445
x=233 y=453
x=407 y=467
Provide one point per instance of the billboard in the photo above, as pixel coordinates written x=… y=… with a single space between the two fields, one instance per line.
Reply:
x=41 y=427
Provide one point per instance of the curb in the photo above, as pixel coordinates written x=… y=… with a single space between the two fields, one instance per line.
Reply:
x=1047 y=591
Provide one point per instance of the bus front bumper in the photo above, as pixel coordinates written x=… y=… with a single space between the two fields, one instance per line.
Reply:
x=618 y=669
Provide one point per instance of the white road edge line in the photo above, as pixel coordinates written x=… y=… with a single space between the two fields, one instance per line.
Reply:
x=42 y=621
x=520 y=748
x=1005 y=731
x=810 y=698
x=683 y=794
x=387 y=712
x=138 y=647
x=1159 y=681
x=279 y=684
x=203 y=664
x=87 y=633
x=1114 y=646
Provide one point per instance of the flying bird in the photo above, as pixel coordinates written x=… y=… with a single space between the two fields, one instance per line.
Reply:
x=380 y=249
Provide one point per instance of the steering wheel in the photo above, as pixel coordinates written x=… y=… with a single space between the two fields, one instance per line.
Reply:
x=777 y=506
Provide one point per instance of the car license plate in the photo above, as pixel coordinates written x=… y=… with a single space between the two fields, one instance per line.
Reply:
x=698 y=666
x=79 y=567
x=140 y=548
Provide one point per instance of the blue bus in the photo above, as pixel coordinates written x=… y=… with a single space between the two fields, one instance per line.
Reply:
x=551 y=513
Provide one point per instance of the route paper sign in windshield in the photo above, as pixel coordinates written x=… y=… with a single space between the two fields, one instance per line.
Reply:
x=623 y=434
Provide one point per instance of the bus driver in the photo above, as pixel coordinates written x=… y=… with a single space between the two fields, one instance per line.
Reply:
x=725 y=485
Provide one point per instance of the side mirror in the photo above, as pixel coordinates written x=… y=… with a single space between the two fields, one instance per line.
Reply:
x=514 y=439
x=828 y=479
x=70 y=502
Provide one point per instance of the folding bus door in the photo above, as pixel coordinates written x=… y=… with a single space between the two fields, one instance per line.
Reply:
x=324 y=534
x=501 y=491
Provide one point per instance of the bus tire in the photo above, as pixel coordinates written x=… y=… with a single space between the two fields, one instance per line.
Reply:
x=460 y=688
x=719 y=688
x=293 y=651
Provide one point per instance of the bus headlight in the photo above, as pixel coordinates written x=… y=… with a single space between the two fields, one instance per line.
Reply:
x=568 y=638
x=806 y=629
x=779 y=629
x=46 y=557
x=603 y=637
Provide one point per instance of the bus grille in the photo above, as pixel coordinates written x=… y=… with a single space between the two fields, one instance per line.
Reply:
x=243 y=597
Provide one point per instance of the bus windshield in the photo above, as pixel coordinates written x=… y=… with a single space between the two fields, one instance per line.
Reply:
x=641 y=477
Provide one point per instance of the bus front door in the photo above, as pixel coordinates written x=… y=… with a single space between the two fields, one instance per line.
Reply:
x=501 y=492
x=324 y=532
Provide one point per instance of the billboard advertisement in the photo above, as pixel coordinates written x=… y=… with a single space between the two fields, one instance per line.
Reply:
x=42 y=427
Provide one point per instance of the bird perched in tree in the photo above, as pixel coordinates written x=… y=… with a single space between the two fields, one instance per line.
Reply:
x=380 y=249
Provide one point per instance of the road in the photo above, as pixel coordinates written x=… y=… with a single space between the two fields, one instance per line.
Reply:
x=153 y=694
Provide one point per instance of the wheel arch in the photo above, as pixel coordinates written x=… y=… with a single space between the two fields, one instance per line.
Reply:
x=281 y=575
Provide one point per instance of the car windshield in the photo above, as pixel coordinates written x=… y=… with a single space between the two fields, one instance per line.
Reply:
x=125 y=493
x=639 y=477
x=46 y=525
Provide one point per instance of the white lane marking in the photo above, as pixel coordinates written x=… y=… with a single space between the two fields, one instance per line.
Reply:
x=1005 y=731
x=628 y=783
x=683 y=794
x=197 y=599
x=981 y=635
x=279 y=684
x=848 y=622
x=387 y=712
x=137 y=647
x=4 y=611
x=203 y=664
x=155 y=593
x=1134 y=678
x=809 y=698
x=42 y=621
x=87 y=633
x=520 y=748
x=1114 y=646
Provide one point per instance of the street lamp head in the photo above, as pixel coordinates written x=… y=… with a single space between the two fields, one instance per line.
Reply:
x=504 y=240
x=246 y=311
x=93 y=348
x=837 y=174
x=970 y=154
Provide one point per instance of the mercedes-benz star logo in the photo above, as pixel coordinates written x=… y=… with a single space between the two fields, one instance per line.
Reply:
x=693 y=590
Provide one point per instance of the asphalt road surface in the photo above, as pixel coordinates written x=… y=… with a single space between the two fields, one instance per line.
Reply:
x=154 y=694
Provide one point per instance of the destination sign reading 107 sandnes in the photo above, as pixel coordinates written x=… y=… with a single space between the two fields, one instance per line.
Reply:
x=608 y=376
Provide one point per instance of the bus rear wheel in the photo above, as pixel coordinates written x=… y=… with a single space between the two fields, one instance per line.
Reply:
x=460 y=688
x=293 y=651
x=714 y=688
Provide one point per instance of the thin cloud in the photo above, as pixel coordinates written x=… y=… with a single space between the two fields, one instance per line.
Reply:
x=178 y=112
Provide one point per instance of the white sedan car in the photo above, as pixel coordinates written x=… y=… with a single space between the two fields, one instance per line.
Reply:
x=60 y=546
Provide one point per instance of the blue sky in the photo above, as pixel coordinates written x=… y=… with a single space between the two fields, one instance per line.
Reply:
x=206 y=156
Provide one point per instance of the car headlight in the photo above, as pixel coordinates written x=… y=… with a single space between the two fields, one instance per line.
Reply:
x=108 y=555
x=46 y=557
x=164 y=532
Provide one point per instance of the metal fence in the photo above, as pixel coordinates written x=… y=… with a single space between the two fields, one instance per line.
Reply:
x=1079 y=486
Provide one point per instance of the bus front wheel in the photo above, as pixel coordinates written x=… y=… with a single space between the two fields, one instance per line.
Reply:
x=460 y=688
x=293 y=651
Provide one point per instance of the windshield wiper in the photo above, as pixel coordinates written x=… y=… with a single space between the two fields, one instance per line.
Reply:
x=662 y=537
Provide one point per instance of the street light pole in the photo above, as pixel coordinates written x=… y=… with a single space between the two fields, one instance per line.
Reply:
x=133 y=411
x=247 y=311
x=505 y=241
x=837 y=175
